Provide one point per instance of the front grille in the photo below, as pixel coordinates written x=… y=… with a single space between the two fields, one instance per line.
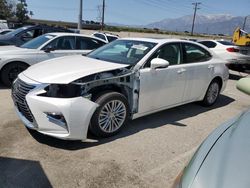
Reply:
x=19 y=90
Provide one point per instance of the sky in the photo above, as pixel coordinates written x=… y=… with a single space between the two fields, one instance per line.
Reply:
x=133 y=12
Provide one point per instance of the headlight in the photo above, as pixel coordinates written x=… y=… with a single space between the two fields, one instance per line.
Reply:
x=63 y=91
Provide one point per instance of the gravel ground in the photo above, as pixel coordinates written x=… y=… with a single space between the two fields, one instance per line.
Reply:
x=149 y=152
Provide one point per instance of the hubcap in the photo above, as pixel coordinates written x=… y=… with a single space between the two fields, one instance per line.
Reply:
x=213 y=92
x=112 y=116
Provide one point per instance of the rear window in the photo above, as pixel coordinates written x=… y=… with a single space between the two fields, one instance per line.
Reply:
x=208 y=44
x=101 y=36
x=194 y=53
x=227 y=43
x=111 y=38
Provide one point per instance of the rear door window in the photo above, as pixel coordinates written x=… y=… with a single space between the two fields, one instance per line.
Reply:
x=63 y=43
x=84 y=43
x=31 y=33
x=194 y=53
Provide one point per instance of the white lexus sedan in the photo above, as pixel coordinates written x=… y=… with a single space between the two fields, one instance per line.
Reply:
x=125 y=79
x=14 y=60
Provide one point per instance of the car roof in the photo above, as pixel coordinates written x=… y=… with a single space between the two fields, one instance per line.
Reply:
x=107 y=34
x=59 y=34
x=45 y=26
x=218 y=42
x=158 y=40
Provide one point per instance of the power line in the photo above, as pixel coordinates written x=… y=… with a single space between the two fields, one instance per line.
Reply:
x=160 y=6
x=62 y=8
x=195 y=10
x=175 y=4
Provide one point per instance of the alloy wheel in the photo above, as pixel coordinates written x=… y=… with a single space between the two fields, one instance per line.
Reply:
x=112 y=116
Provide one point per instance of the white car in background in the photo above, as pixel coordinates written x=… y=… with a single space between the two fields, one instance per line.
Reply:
x=14 y=60
x=226 y=50
x=108 y=37
x=125 y=79
x=3 y=24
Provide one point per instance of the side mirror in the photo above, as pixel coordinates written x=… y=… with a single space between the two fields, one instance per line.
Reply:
x=49 y=49
x=244 y=85
x=158 y=63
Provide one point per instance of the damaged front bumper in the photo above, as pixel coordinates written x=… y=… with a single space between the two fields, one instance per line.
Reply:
x=64 y=118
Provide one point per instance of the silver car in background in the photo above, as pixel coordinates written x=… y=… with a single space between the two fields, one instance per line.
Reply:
x=14 y=60
x=222 y=160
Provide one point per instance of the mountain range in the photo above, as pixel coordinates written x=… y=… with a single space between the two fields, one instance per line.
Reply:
x=210 y=24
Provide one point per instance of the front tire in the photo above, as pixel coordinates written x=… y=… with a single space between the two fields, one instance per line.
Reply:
x=10 y=72
x=212 y=93
x=111 y=115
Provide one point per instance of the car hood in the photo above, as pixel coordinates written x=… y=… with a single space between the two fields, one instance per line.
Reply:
x=14 y=50
x=67 y=69
x=227 y=163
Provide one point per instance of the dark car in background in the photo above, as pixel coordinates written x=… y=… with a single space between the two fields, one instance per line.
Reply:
x=24 y=34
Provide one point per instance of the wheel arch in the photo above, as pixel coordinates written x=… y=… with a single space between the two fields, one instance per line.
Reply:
x=122 y=89
x=5 y=67
x=13 y=62
x=219 y=79
x=99 y=90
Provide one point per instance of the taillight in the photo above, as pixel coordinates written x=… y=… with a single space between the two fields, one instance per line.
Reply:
x=233 y=50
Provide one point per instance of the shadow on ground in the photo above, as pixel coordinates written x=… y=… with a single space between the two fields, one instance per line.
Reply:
x=22 y=173
x=167 y=117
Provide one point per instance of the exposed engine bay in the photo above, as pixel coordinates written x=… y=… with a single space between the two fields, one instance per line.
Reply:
x=122 y=80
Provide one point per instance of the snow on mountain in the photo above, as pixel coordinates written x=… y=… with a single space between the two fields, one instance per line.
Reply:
x=211 y=24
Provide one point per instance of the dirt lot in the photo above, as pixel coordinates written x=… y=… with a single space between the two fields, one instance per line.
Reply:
x=125 y=34
x=149 y=152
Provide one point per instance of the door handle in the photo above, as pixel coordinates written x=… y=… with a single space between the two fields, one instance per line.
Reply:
x=180 y=71
x=210 y=67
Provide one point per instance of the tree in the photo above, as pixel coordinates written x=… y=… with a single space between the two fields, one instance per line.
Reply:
x=22 y=11
x=6 y=9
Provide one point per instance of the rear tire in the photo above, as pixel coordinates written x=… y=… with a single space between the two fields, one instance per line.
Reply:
x=111 y=115
x=10 y=72
x=212 y=93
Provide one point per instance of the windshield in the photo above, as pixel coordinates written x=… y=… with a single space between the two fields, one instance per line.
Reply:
x=111 y=38
x=123 y=51
x=37 y=42
x=15 y=32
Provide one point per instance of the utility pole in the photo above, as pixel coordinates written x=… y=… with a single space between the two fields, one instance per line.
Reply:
x=195 y=10
x=80 y=16
x=244 y=24
x=103 y=12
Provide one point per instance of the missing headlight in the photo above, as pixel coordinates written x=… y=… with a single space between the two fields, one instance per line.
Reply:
x=63 y=91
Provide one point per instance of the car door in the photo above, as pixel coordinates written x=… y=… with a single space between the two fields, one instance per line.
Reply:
x=164 y=87
x=60 y=46
x=199 y=70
